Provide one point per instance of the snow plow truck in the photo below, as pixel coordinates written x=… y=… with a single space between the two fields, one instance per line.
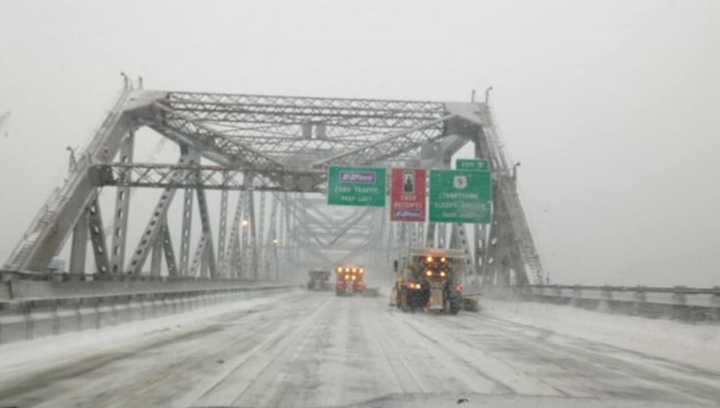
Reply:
x=430 y=279
x=349 y=279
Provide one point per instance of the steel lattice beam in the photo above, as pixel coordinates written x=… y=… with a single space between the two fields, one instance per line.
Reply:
x=153 y=228
x=390 y=146
x=287 y=110
x=208 y=177
x=209 y=142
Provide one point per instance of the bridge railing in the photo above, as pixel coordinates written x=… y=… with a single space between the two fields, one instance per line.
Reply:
x=17 y=287
x=683 y=302
x=33 y=305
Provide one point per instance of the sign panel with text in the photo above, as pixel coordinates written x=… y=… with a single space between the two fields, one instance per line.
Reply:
x=461 y=196
x=407 y=195
x=472 y=164
x=361 y=186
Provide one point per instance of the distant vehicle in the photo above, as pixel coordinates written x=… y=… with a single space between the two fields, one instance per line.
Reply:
x=319 y=279
x=349 y=279
x=430 y=279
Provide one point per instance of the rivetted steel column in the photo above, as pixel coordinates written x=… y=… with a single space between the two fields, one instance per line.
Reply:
x=168 y=250
x=78 y=249
x=252 y=226
x=233 y=252
x=97 y=237
x=222 y=228
x=122 y=207
x=260 y=230
x=156 y=257
x=209 y=257
x=187 y=215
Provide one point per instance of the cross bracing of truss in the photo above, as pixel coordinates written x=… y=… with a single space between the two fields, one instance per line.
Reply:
x=274 y=152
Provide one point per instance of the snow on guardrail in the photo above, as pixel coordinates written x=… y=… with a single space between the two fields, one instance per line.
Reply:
x=683 y=302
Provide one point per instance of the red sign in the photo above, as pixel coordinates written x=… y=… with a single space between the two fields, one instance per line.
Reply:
x=407 y=195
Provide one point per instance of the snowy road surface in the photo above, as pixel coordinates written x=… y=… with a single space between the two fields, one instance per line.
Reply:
x=313 y=349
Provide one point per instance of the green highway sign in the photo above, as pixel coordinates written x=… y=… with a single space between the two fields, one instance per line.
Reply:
x=461 y=196
x=362 y=186
x=472 y=164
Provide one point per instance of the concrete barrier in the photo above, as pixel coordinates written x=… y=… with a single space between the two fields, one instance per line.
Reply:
x=24 y=320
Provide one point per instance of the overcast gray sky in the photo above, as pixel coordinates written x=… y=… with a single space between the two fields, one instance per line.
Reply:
x=609 y=105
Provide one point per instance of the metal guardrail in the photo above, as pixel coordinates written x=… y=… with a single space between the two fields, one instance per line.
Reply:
x=677 y=295
x=678 y=301
x=36 y=304
x=46 y=308
x=662 y=289
x=18 y=287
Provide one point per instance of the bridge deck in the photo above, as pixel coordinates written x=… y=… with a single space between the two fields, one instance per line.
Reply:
x=314 y=349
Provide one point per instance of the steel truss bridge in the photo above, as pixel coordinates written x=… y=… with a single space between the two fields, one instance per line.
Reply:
x=268 y=156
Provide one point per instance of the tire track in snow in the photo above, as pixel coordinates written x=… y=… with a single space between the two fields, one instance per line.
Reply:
x=446 y=372
x=505 y=377
x=651 y=376
x=243 y=372
x=409 y=383
x=161 y=376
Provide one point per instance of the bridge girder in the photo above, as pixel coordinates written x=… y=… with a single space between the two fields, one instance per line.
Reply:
x=261 y=143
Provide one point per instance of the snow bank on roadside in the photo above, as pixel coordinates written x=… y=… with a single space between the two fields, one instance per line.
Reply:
x=694 y=344
x=53 y=349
